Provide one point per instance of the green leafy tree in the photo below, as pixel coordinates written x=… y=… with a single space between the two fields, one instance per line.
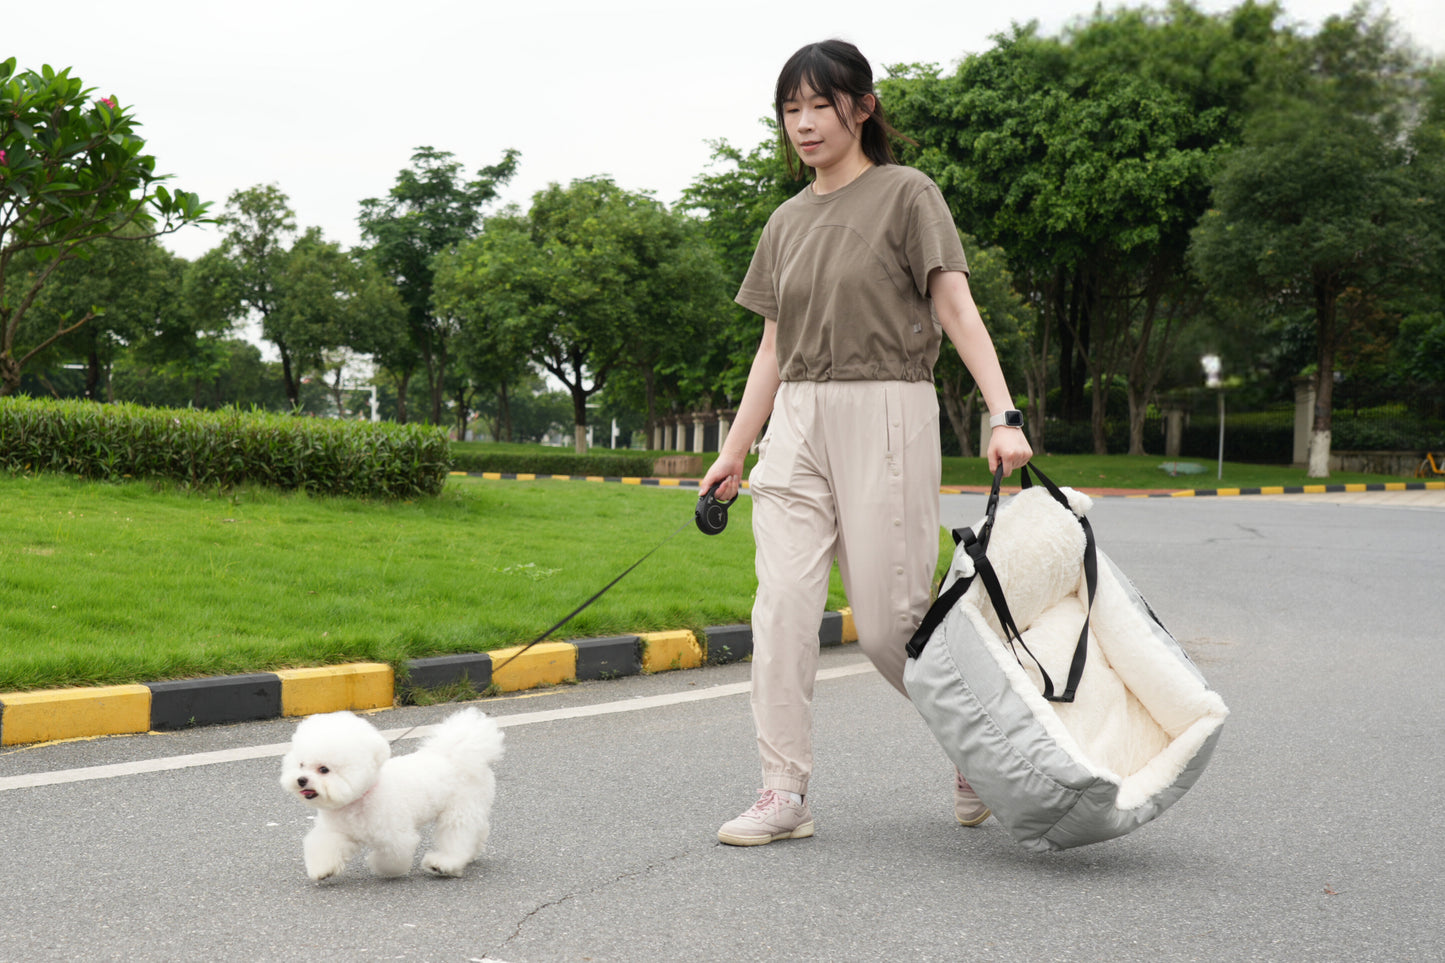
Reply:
x=72 y=172
x=591 y=279
x=130 y=289
x=1087 y=158
x=331 y=304
x=1332 y=199
x=492 y=345
x=243 y=276
x=429 y=210
x=310 y=296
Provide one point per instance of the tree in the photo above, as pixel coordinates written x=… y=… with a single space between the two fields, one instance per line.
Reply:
x=429 y=210
x=1330 y=200
x=1087 y=159
x=491 y=345
x=592 y=278
x=309 y=295
x=128 y=288
x=331 y=303
x=71 y=173
x=243 y=276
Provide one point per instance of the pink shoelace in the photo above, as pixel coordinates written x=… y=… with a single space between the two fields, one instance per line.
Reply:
x=768 y=801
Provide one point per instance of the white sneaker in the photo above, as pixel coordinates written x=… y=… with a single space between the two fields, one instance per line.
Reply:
x=967 y=807
x=773 y=817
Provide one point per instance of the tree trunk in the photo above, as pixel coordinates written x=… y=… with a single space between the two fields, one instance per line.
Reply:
x=579 y=418
x=1097 y=413
x=463 y=410
x=1138 y=411
x=1036 y=380
x=504 y=415
x=649 y=380
x=9 y=375
x=293 y=390
x=93 y=373
x=403 y=385
x=1037 y=414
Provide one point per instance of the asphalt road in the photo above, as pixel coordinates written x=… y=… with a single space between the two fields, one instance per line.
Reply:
x=1314 y=835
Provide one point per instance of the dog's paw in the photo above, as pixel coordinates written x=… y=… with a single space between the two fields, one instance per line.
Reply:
x=321 y=871
x=438 y=865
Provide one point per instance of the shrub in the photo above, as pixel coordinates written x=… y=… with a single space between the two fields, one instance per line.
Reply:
x=222 y=448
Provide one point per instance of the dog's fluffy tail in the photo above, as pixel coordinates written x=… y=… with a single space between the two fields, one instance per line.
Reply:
x=468 y=738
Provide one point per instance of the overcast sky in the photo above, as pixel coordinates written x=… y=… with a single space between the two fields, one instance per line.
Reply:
x=329 y=99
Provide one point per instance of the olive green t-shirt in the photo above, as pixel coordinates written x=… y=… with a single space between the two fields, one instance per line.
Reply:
x=845 y=276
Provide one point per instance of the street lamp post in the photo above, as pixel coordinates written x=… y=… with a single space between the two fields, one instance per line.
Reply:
x=1213 y=368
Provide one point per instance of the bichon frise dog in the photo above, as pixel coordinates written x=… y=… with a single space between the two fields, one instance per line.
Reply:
x=341 y=765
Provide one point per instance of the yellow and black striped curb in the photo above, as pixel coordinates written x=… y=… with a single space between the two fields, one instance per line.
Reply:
x=78 y=713
x=1349 y=487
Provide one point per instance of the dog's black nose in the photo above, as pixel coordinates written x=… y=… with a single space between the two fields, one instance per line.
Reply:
x=301 y=781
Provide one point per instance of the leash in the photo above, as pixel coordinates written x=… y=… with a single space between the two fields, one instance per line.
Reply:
x=710 y=516
x=595 y=596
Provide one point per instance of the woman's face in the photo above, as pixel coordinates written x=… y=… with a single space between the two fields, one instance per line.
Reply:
x=818 y=134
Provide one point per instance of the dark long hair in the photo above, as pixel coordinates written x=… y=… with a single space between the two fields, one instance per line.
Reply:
x=839 y=72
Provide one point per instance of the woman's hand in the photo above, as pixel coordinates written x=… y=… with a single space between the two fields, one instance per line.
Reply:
x=727 y=474
x=1009 y=447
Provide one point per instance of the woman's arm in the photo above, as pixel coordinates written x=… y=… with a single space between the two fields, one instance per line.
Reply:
x=953 y=304
x=753 y=412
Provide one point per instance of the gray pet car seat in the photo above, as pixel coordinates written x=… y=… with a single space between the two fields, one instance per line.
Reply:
x=1135 y=724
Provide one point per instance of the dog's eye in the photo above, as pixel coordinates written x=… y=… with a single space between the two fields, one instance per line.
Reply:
x=322 y=769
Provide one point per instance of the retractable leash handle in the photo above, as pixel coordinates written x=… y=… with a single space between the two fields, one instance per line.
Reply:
x=712 y=515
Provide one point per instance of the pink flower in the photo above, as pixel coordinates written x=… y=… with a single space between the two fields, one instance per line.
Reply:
x=109 y=102
x=2 y=158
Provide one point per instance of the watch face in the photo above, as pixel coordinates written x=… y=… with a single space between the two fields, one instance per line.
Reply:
x=1013 y=419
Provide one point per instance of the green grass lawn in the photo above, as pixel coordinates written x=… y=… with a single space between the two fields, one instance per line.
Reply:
x=108 y=583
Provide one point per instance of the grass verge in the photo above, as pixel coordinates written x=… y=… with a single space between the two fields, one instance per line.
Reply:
x=112 y=583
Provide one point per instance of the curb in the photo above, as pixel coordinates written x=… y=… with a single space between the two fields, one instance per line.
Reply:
x=52 y=715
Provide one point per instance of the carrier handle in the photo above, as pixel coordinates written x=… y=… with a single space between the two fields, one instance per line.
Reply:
x=977 y=548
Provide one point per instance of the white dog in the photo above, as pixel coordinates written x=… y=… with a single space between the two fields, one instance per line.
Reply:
x=341 y=765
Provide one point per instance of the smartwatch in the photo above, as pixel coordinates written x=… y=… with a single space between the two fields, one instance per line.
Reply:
x=1013 y=418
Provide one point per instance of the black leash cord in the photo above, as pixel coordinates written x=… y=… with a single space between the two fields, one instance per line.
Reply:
x=572 y=614
x=578 y=610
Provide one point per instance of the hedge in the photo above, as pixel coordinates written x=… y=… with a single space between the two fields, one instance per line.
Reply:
x=224 y=448
x=553 y=463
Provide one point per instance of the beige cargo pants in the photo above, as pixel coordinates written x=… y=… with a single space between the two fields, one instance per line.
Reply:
x=847 y=469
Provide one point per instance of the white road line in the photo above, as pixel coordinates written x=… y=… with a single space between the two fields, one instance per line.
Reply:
x=165 y=764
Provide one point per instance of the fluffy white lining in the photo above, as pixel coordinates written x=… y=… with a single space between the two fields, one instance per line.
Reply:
x=1140 y=714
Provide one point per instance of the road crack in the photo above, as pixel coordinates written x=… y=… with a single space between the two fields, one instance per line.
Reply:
x=590 y=891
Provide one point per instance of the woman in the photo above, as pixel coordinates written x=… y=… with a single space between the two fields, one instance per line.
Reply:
x=856 y=278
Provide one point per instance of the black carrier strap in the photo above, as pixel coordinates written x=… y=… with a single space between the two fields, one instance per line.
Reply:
x=977 y=548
